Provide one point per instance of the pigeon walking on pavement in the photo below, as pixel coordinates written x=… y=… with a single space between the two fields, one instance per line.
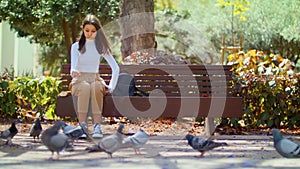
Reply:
x=136 y=141
x=36 y=129
x=65 y=127
x=72 y=132
x=285 y=147
x=9 y=133
x=202 y=144
x=55 y=140
x=109 y=144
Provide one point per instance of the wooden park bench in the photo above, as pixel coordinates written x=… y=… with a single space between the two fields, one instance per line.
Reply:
x=176 y=91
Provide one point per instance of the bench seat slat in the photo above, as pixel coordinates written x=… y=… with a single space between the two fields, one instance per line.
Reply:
x=232 y=107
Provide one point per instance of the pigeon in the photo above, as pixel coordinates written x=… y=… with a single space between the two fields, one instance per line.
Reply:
x=55 y=140
x=136 y=141
x=72 y=132
x=65 y=127
x=36 y=129
x=285 y=147
x=202 y=145
x=109 y=144
x=9 y=133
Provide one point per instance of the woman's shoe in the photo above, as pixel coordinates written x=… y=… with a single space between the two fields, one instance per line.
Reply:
x=97 y=131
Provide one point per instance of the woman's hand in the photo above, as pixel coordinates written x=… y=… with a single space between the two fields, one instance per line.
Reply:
x=75 y=74
x=108 y=89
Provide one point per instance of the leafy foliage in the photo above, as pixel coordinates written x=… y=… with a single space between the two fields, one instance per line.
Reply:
x=43 y=20
x=31 y=94
x=39 y=94
x=270 y=26
x=178 y=36
x=8 y=100
x=270 y=88
x=54 y=24
x=239 y=7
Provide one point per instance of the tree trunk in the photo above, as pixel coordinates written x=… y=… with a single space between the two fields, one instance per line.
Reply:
x=67 y=38
x=74 y=30
x=137 y=26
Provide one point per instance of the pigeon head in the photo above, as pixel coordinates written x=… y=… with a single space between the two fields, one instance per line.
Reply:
x=276 y=135
x=189 y=137
x=58 y=124
x=37 y=121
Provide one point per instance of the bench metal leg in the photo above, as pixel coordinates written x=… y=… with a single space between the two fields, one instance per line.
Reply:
x=209 y=126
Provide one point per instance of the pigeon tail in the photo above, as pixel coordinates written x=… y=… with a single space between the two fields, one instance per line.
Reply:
x=223 y=144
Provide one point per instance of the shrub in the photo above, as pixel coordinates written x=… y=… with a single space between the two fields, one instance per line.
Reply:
x=8 y=100
x=29 y=94
x=270 y=89
x=38 y=94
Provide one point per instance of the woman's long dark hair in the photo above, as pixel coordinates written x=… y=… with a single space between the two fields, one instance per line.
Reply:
x=101 y=42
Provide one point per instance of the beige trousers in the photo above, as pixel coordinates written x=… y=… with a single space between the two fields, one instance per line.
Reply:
x=88 y=87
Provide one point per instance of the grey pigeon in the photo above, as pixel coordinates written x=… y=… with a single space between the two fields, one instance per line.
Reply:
x=109 y=144
x=36 y=129
x=202 y=144
x=9 y=133
x=71 y=131
x=55 y=140
x=285 y=147
x=136 y=141
x=65 y=127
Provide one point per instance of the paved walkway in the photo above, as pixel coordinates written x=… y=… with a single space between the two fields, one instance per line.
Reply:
x=161 y=152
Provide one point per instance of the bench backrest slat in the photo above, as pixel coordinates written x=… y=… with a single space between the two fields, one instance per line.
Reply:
x=173 y=80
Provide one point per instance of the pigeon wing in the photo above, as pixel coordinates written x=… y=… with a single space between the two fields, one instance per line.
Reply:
x=74 y=133
x=136 y=141
x=58 y=142
x=67 y=128
x=209 y=145
x=35 y=129
x=288 y=148
x=5 y=134
x=110 y=144
x=198 y=143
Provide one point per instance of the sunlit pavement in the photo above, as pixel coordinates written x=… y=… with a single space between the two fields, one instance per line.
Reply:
x=161 y=152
